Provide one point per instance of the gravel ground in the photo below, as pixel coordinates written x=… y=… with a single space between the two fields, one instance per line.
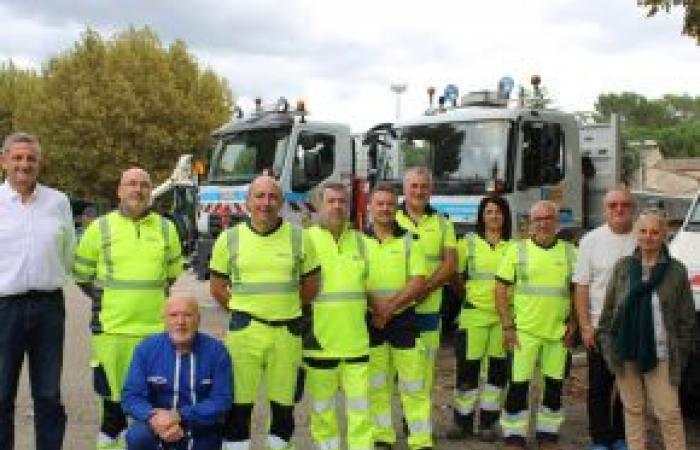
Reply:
x=82 y=413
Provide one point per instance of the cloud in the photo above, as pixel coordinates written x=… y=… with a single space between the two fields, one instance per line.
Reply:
x=342 y=56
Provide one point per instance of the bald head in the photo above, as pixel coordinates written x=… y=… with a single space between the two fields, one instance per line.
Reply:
x=182 y=320
x=134 y=192
x=544 y=221
x=264 y=202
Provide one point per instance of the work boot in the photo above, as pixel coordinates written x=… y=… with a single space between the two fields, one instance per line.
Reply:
x=105 y=442
x=380 y=445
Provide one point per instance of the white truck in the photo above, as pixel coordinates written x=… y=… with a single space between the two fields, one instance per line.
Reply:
x=485 y=142
x=685 y=246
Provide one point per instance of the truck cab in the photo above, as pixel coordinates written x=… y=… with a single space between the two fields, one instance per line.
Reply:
x=282 y=143
x=484 y=145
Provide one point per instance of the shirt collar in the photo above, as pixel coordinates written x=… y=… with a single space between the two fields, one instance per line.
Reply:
x=13 y=195
x=399 y=231
x=429 y=210
x=249 y=223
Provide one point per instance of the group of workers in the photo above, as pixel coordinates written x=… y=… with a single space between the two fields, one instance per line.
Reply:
x=336 y=309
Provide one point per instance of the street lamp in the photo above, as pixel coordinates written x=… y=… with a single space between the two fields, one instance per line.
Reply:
x=398 y=89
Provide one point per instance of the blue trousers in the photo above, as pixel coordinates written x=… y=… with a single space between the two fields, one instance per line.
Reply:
x=140 y=436
x=33 y=324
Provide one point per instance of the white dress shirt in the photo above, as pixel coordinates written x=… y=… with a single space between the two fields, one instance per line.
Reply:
x=37 y=240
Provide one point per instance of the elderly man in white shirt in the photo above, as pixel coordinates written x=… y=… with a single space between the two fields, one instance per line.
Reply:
x=599 y=251
x=37 y=237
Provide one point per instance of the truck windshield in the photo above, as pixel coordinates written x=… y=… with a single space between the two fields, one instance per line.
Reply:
x=240 y=157
x=465 y=157
x=694 y=217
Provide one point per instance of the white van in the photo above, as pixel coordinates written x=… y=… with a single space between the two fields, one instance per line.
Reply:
x=685 y=246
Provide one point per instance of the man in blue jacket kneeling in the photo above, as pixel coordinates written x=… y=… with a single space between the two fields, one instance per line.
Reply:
x=179 y=385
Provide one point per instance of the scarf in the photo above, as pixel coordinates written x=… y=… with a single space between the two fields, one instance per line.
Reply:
x=633 y=332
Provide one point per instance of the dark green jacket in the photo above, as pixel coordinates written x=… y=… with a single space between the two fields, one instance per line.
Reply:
x=677 y=308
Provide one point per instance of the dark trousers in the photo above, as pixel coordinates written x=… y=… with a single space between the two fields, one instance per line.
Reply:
x=140 y=436
x=605 y=417
x=33 y=323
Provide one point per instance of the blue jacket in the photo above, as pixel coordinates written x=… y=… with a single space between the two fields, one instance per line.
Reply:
x=151 y=381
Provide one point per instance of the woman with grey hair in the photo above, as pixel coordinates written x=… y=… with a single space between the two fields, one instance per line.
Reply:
x=645 y=332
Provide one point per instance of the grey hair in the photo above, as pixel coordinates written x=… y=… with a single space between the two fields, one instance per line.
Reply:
x=418 y=170
x=20 y=137
x=546 y=203
x=658 y=213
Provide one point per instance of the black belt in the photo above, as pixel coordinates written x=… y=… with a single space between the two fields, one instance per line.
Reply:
x=332 y=363
x=272 y=323
x=34 y=294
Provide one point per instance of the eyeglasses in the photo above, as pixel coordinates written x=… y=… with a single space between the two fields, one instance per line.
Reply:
x=615 y=205
x=137 y=184
x=543 y=218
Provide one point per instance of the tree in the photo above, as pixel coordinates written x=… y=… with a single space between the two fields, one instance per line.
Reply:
x=19 y=90
x=673 y=121
x=691 y=23
x=108 y=104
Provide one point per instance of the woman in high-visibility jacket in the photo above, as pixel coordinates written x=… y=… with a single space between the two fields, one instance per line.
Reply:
x=479 y=346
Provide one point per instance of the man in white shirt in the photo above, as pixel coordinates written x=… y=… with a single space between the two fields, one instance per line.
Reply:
x=599 y=251
x=37 y=237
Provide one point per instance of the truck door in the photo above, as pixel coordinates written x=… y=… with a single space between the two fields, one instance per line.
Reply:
x=313 y=161
x=542 y=167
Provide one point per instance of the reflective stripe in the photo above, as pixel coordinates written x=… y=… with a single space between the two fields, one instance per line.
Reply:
x=357 y=404
x=465 y=409
x=472 y=273
x=296 y=252
x=514 y=424
x=382 y=421
x=277 y=443
x=85 y=261
x=542 y=291
x=522 y=261
x=130 y=285
x=383 y=292
x=330 y=444
x=548 y=421
x=106 y=246
x=467 y=395
x=234 y=249
x=283 y=287
x=362 y=250
x=443 y=227
x=109 y=282
x=420 y=426
x=238 y=445
x=378 y=380
x=407 y=240
x=433 y=258
x=410 y=386
x=233 y=254
x=322 y=405
x=340 y=297
x=165 y=232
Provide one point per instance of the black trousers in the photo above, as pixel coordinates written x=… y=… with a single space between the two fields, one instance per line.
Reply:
x=605 y=416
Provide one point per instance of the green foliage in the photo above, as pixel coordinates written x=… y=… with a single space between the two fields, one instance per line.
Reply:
x=673 y=120
x=691 y=23
x=106 y=104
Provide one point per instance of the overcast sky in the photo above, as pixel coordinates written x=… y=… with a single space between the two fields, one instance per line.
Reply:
x=342 y=56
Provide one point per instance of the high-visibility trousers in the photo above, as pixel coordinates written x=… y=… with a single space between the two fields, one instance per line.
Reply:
x=429 y=325
x=478 y=351
x=324 y=380
x=396 y=352
x=110 y=361
x=272 y=353
x=553 y=359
